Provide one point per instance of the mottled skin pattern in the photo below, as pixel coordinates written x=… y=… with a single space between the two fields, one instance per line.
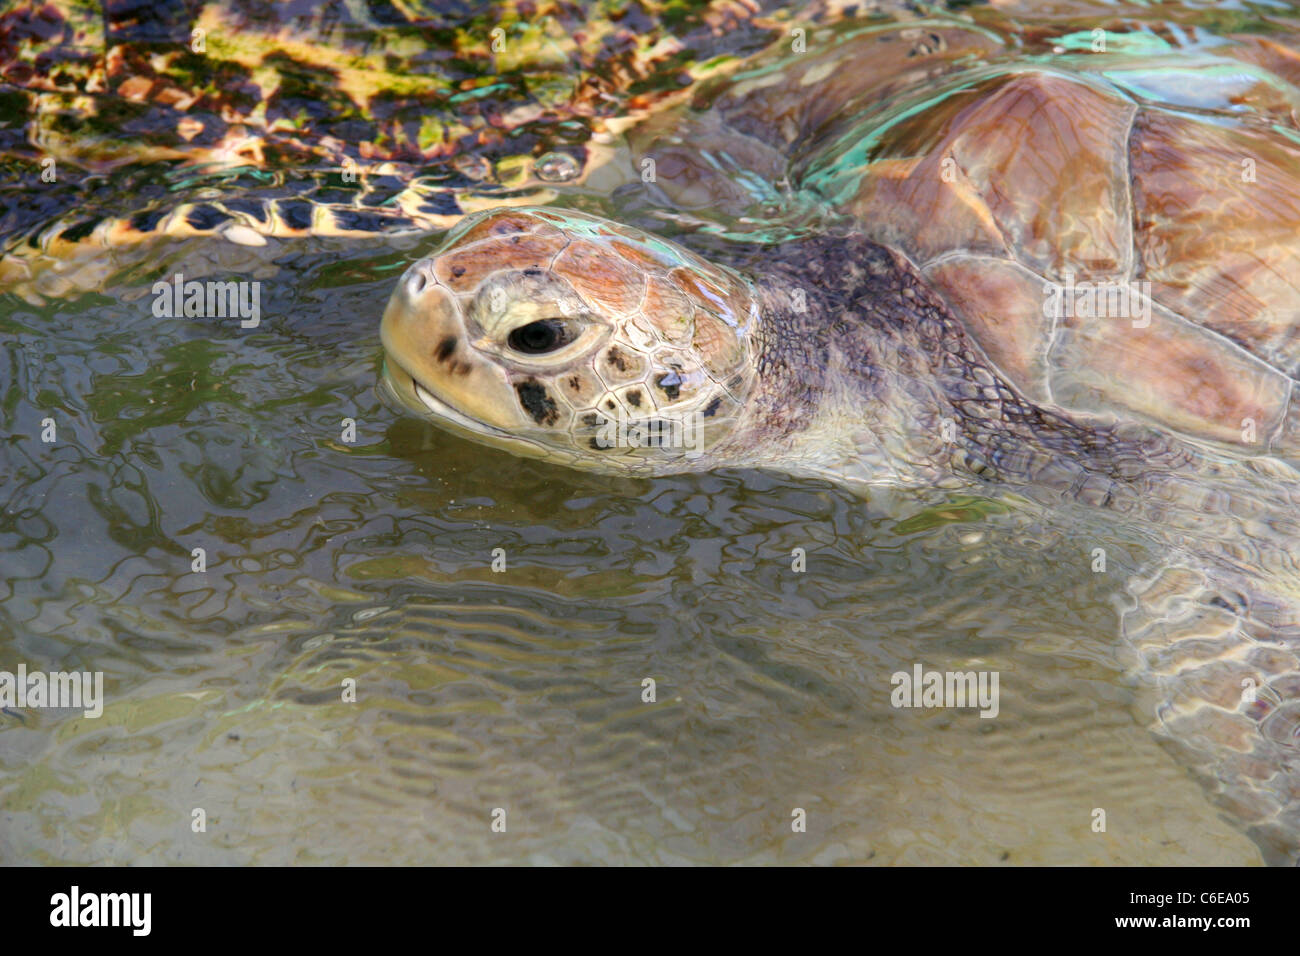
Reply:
x=906 y=343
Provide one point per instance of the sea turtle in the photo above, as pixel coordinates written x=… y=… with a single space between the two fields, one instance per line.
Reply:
x=905 y=255
x=912 y=261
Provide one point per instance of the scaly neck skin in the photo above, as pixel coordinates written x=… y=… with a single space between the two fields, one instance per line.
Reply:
x=864 y=373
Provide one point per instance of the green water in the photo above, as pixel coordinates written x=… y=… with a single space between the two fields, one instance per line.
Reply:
x=519 y=689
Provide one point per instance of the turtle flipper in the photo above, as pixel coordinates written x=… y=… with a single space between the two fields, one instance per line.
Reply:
x=1219 y=655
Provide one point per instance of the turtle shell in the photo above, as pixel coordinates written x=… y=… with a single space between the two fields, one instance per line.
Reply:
x=1120 y=234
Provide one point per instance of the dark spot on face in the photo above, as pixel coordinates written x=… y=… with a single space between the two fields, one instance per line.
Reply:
x=634 y=398
x=532 y=272
x=712 y=408
x=575 y=383
x=615 y=358
x=539 y=405
x=457 y=271
x=671 y=384
x=609 y=405
x=445 y=348
x=591 y=419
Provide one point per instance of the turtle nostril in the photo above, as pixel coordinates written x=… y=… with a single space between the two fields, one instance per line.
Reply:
x=416 y=282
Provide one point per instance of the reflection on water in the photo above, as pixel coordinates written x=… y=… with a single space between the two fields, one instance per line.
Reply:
x=519 y=689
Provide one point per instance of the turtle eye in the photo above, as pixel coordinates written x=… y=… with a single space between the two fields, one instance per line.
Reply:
x=540 y=337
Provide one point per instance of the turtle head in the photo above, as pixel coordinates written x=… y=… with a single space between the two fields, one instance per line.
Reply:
x=563 y=336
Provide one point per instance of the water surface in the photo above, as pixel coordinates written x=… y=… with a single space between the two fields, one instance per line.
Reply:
x=519 y=689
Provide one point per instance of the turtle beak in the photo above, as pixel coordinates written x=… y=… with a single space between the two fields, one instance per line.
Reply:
x=431 y=364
